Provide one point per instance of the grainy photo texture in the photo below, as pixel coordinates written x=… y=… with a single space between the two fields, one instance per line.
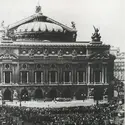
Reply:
x=62 y=62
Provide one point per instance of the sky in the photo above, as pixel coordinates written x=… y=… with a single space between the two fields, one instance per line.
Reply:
x=107 y=15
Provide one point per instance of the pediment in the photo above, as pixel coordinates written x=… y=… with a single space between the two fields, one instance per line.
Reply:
x=101 y=56
x=8 y=56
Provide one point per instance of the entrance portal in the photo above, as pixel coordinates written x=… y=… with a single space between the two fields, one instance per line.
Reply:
x=81 y=94
x=66 y=93
x=38 y=94
x=24 y=95
x=52 y=93
x=7 y=94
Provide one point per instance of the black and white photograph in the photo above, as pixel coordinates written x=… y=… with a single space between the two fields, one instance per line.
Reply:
x=62 y=62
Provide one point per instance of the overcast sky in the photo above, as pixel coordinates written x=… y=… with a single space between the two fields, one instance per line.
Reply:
x=107 y=15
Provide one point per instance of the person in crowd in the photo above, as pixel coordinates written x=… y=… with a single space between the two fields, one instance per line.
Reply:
x=103 y=114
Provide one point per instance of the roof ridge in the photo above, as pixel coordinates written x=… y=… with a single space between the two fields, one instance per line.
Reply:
x=48 y=19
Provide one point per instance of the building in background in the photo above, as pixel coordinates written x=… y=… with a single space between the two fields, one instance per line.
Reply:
x=119 y=64
x=40 y=57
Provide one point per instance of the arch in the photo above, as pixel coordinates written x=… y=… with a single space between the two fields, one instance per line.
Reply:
x=81 y=94
x=7 y=94
x=52 y=93
x=38 y=94
x=66 y=93
x=24 y=94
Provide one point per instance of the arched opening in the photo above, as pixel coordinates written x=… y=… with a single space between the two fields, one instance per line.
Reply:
x=66 y=93
x=81 y=94
x=7 y=94
x=24 y=95
x=52 y=93
x=38 y=94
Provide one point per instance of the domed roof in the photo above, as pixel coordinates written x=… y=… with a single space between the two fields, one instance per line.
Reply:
x=39 y=26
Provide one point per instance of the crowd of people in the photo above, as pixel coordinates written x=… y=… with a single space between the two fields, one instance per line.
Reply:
x=103 y=114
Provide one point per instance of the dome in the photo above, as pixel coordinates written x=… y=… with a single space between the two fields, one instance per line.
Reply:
x=39 y=26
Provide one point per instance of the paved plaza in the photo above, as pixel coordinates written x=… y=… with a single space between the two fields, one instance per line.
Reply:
x=53 y=104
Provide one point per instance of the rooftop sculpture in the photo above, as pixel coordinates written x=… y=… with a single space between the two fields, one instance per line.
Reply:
x=96 y=36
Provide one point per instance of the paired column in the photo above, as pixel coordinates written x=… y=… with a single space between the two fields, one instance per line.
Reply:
x=10 y=77
x=70 y=77
x=35 y=78
x=104 y=73
x=41 y=77
x=27 y=77
x=4 y=76
x=21 y=76
x=88 y=74
x=56 y=77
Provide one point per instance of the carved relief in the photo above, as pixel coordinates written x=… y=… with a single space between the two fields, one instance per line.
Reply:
x=8 y=55
x=74 y=53
x=31 y=53
x=45 y=53
x=60 y=53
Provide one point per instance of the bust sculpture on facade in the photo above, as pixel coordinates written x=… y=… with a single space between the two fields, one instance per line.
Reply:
x=96 y=35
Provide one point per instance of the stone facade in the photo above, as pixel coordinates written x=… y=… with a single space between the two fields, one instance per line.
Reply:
x=35 y=67
x=119 y=64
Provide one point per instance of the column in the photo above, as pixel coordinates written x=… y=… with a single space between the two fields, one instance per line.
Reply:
x=21 y=77
x=35 y=78
x=4 y=76
x=27 y=77
x=60 y=75
x=70 y=77
x=49 y=77
x=1 y=75
x=17 y=74
x=10 y=77
x=94 y=77
x=103 y=73
x=100 y=77
x=41 y=77
x=74 y=75
x=56 y=77
x=84 y=77
x=91 y=74
x=77 y=77
x=64 y=77
x=88 y=73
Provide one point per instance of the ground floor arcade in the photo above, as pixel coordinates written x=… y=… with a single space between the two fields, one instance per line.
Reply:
x=78 y=92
